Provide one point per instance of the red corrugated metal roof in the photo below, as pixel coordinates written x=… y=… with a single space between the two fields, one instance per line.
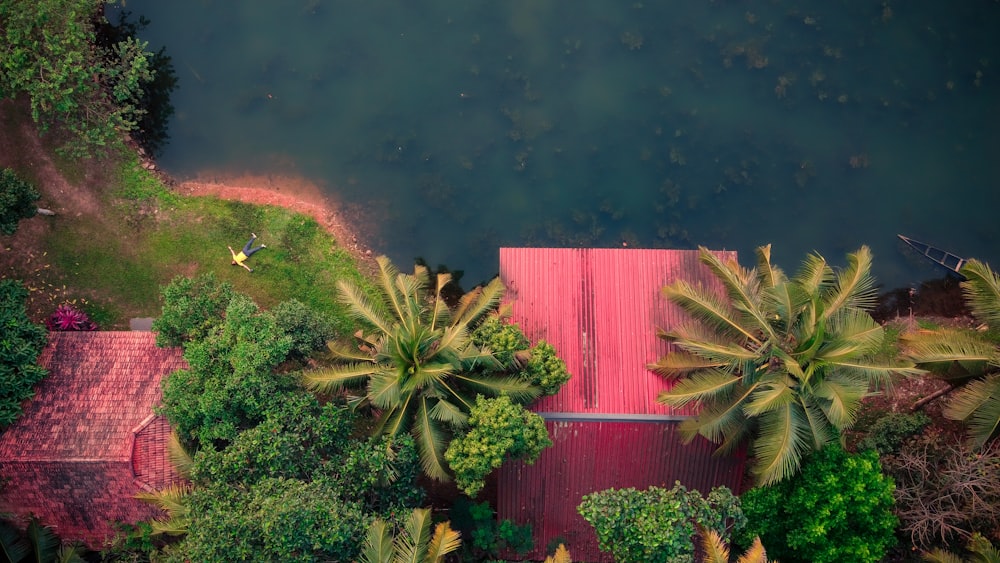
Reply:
x=600 y=309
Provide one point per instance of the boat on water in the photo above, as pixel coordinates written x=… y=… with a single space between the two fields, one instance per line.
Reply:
x=943 y=258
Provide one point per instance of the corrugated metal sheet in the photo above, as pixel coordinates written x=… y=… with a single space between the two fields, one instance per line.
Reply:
x=600 y=309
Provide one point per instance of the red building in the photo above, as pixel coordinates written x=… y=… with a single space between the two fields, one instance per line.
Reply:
x=600 y=309
x=89 y=441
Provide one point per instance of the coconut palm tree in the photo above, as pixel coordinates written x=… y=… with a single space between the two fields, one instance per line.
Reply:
x=780 y=362
x=420 y=370
x=969 y=361
x=414 y=545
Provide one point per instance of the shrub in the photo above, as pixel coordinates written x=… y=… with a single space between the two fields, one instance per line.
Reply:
x=838 y=508
x=498 y=430
x=21 y=342
x=505 y=340
x=308 y=330
x=659 y=524
x=483 y=537
x=545 y=369
x=192 y=307
x=888 y=432
x=17 y=201
x=68 y=318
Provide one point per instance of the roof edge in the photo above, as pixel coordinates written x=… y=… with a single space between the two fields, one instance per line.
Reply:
x=611 y=417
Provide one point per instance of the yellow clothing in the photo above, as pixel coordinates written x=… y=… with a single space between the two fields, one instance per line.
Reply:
x=239 y=258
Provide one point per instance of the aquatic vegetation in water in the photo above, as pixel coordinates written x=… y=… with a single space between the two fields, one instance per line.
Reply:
x=632 y=40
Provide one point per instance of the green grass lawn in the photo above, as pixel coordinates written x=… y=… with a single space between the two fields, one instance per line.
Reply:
x=113 y=267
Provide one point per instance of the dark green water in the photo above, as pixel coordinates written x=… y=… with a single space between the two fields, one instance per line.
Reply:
x=460 y=127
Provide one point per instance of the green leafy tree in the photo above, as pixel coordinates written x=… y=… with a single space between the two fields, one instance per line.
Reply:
x=192 y=307
x=498 y=430
x=309 y=330
x=485 y=536
x=415 y=542
x=969 y=361
x=838 y=508
x=51 y=55
x=658 y=524
x=230 y=382
x=17 y=201
x=538 y=364
x=781 y=362
x=275 y=519
x=420 y=369
x=546 y=369
x=21 y=341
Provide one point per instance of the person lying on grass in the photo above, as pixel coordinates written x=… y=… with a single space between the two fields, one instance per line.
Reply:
x=240 y=259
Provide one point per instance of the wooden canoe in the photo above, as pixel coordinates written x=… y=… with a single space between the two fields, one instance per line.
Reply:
x=943 y=258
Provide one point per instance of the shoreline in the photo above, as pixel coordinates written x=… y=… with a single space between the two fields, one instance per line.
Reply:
x=295 y=194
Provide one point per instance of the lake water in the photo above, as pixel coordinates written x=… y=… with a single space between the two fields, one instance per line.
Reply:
x=458 y=127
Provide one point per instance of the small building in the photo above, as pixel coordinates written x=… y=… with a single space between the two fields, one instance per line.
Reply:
x=600 y=309
x=89 y=441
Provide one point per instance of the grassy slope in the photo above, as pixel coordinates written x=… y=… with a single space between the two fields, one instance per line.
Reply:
x=113 y=265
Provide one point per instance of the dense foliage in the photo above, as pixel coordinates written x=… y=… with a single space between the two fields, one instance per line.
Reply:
x=888 y=432
x=17 y=201
x=274 y=519
x=538 y=365
x=415 y=542
x=309 y=330
x=50 y=54
x=67 y=317
x=499 y=430
x=420 y=370
x=230 y=381
x=21 y=341
x=659 y=524
x=37 y=543
x=484 y=537
x=545 y=369
x=838 y=508
x=780 y=362
x=192 y=307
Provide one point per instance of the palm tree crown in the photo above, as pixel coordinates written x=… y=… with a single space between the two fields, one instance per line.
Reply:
x=781 y=362
x=420 y=369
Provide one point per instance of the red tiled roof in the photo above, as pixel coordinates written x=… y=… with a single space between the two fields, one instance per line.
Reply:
x=600 y=309
x=88 y=441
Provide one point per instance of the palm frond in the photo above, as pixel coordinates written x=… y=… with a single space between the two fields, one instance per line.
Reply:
x=720 y=421
x=560 y=556
x=428 y=375
x=842 y=398
x=430 y=443
x=706 y=308
x=344 y=352
x=680 y=363
x=337 y=377
x=378 y=543
x=770 y=276
x=395 y=419
x=386 y=278
x=982 y=292
x=444 y=541
x=170 y=500
x=768 y=396
x=12 y=544
x=704 y=385
x=70 y=553
x=440 y=312
x=178 y=455
x=384 y=390
x=819 y=425
x=478 y=302
x=448 y=412
x=361 y=307
x=714 y=549
x=855 y=286
x=783 y=303
x=518 y=389
x=879 y=375
x=726 y=353
x=783 y=439
x=755 y=554
x=741 y=285
x=852 y=331
x=950 y=354
x=43 y=539
x=411 y=545
x=941 y=556
x=814 y=275
x=978 y=404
